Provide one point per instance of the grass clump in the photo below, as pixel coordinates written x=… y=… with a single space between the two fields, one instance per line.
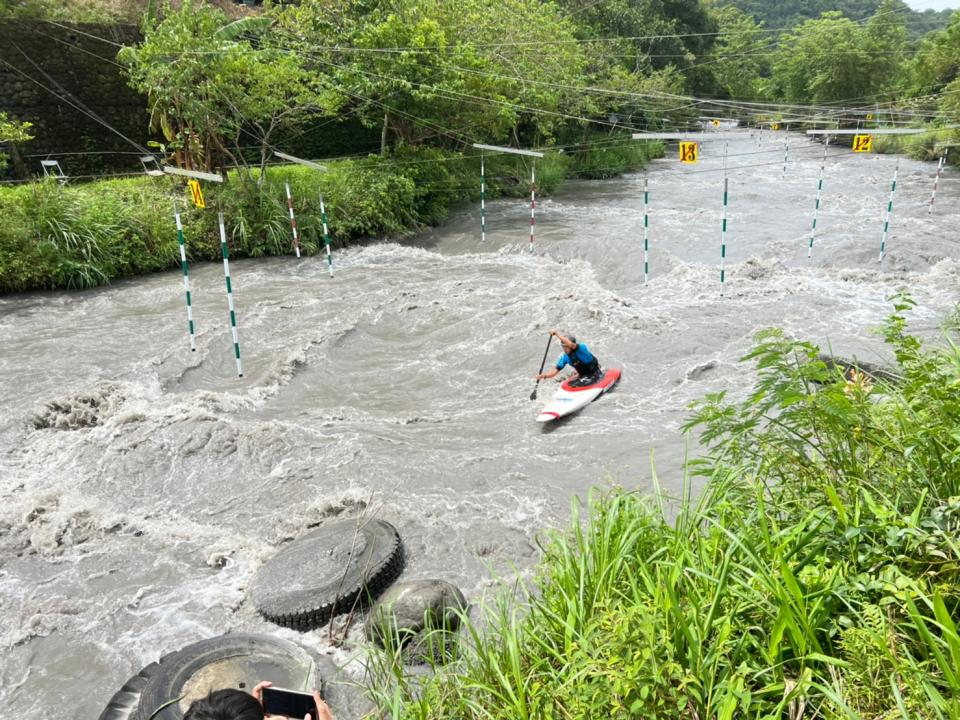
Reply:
x=81 y=236
x=925 y=146
x=816 y=576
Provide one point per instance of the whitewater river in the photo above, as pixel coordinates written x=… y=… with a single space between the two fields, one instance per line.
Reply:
x=142 y=486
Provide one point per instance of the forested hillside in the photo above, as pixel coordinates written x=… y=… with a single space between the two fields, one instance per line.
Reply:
x=785 y=14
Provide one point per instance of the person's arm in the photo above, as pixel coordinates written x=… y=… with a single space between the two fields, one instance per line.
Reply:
x=562 y=338
x=547 y=375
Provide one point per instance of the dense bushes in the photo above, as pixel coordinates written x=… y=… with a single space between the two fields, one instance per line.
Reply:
x=925 y=146
x=86 y=235
x=818 y=574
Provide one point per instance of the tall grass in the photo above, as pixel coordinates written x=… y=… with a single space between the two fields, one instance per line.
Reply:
x=86 y=235
x=817 y=576
x=925 y=146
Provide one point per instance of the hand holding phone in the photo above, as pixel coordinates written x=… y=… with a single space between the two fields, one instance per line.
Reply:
x=293 y=703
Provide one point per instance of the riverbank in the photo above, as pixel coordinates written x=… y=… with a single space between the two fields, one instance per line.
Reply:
x=86 y=235
x=817 y=575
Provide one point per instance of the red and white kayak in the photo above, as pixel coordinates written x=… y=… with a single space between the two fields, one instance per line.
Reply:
x=570 y=398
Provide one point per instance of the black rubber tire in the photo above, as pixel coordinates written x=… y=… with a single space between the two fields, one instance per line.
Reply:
x=125 y=703
x=327 y=572
x=873 y=371
x=270 y=657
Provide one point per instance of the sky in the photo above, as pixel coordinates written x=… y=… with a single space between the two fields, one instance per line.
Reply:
x=933 y=4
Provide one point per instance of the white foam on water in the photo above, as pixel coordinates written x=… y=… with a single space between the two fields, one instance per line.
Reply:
x=136 y=512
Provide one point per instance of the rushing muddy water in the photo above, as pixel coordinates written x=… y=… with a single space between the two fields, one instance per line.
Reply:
x=142 y=485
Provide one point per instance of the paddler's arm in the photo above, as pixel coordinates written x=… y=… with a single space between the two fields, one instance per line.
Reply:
x=547 y=375
x=562 y=338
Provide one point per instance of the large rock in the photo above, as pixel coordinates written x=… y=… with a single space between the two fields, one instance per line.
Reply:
x=409 y=608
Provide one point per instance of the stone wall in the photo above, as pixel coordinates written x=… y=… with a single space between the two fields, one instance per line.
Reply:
x=78 y=63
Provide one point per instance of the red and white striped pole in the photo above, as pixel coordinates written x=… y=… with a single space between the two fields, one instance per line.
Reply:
x=936 y=179
x=293 y=221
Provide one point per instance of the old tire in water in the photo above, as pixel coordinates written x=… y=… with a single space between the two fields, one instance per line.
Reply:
x=231 y=661
x=327 y=571
x=125 y=703
x=236 y=660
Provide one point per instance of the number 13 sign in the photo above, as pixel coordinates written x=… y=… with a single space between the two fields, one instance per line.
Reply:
x=689 y=152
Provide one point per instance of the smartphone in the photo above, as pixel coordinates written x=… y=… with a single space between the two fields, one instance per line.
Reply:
x=291 y=703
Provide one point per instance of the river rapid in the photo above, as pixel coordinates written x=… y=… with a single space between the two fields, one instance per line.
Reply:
x=142 y=486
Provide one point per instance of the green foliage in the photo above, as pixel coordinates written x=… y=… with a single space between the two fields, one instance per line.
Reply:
x=834 y=60
x=12 y=131
x=818 y=575
x=212 y=84
x=657 y=34
x=740 y=56
x=76 y=11
x=786 y=14
x=926 y=146
x=610 y=155
x=417 y=72
x=84 y=235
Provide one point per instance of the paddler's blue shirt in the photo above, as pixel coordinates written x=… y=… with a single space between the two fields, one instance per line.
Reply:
x=581 y=356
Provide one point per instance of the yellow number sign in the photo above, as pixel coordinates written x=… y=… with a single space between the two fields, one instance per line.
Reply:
x=862 y=143
x=869 y=116
x=197 y=194
x=775 y=126
x=689 y=151
x=715 y=123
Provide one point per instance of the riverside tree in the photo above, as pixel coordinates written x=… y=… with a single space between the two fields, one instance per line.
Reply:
x=834 y=60
x=215 y=86
x=739 y=58
x=444 y=70
x=11 y=132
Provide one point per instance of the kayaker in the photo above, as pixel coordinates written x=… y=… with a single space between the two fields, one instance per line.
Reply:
x=586 y=368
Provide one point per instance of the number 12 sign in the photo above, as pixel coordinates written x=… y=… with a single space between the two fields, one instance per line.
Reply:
x=689 y=152
x=862 y=143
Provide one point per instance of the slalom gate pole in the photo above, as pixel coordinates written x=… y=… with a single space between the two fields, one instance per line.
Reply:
x=936 y=179
x=886 y=221
x=186 y=275
x=816 y=208
x=533 y=200
x=723 y=228
x=483 y=202
x=786 y=155
x=646 y=240
x=233 y=314
x=326 y=236
x=293 y=220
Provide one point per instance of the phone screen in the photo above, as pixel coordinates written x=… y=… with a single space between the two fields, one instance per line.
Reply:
x=291 y=703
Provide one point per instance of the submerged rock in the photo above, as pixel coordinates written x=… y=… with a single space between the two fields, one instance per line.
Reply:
x=409 y=608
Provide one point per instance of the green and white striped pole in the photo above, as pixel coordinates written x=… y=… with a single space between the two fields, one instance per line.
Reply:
x=646 y=239
x=326 y=236
x=723 y=228
x=816 y=208
x=886 y=222
x=483 y=203
x=936 y=179
x=293 y=220
x=533 y=200
x=186 y=276
x=233 y=314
